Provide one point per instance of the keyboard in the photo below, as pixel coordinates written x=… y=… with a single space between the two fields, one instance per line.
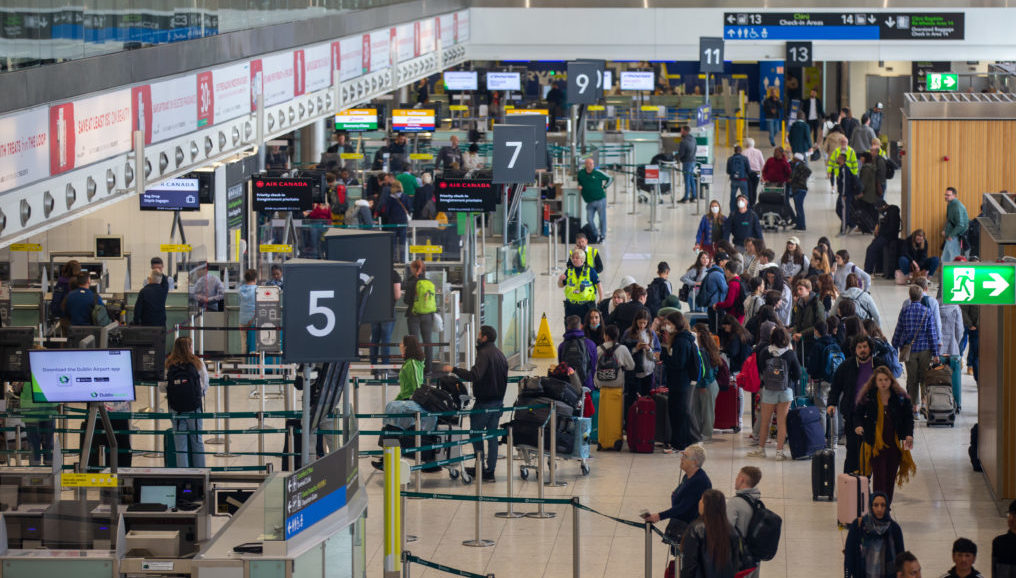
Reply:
x=145 y=507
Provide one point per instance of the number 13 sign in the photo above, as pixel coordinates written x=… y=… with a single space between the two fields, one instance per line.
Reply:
x=319 y=311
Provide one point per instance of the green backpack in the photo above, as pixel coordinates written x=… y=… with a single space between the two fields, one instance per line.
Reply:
x=425 y=301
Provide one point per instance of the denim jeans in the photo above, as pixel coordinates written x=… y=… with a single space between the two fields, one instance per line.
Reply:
x=400 y=243
x=737 y=185
x=422 y=326
x=380 y=333
x=486 y=421
x=930 y=265
x=597 y=208
x=40 y=439
x=951 y=250
x=799 y=195
x=690 y=192
x=188 y=440
x=774 y=129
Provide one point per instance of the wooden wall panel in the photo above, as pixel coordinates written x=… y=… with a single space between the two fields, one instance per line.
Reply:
x=982 y=158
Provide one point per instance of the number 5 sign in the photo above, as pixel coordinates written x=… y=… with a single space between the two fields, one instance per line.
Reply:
x=318 y=311
x=514 y=154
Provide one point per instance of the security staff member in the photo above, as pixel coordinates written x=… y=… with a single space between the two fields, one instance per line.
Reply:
x=592 y=254
x=581 y=285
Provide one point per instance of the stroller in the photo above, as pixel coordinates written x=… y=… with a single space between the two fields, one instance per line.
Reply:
x=772 y=208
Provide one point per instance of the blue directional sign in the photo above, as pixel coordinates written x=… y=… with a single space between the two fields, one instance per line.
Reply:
x=703 y=116
x=859 y=25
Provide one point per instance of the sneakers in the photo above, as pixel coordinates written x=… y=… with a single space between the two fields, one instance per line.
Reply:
x=759 y=452
x=487 y=476
x=668 y=450
x=781 y=457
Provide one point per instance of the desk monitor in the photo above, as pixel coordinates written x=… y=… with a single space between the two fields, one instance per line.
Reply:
x=159 y=495
x=108 y=246
x=148 y=350
x=81 y=375
x=15 y=342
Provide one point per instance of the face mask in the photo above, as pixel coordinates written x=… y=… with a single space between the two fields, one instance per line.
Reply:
x=594 y=325
x=714 y=210
x=742 y=204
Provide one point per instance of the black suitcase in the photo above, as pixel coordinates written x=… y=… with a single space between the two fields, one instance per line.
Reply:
x=823 y=468
x=661 y=399
x=574 y=226
x=526 y=433
x=864 y=217
x=559 y=390
x=890 y=258
x=540 y=415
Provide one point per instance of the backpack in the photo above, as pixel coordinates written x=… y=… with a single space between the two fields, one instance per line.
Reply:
x=575 y=354
x=748 y=379
x=776 y=377
x=100 y=316
x=890 y=169
x=183 y=388
x=424 y=301
x=764 y=528
x=429 y=210
x=890 y=356
x=656 y=292
x=702 y=299
x=707 y=373
x=833 y=359
x=607 y=366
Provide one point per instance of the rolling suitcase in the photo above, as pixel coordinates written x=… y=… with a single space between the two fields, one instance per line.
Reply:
x=660 y=399
x=805 y=433
x=823 y=468
x=852 y=497
x=728 y=410
x=609 y=417
x=641 y=426
x=939 y=405
x=594 y=432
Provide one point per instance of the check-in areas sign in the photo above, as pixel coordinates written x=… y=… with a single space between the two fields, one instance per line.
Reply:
x=979 y=284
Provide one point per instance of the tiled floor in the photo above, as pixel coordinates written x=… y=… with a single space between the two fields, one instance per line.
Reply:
x=945 y=500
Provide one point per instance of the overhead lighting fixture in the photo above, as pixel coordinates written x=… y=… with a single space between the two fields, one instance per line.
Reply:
x=110 y=181
x=26 y=212
x=163 y=162
x=47 y=204
x=70 y=195
x=178 y=156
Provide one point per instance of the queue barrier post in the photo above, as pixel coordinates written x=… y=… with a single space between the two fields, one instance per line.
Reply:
x=576 y=540
x=416 y=455
x=540 y=513
x=552 y=482
x=649 y=550
x=217 y=440
x=261 y=438
x=225 y=447
x=510 y=513
x=477 y=541
x=17 y=444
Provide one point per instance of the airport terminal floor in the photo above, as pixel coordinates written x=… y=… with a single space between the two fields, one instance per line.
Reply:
x=945 y=500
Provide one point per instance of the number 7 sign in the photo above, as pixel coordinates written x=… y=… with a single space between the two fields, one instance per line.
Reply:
x=514 y=154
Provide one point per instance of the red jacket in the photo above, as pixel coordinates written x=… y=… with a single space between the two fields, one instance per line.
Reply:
x=776 y=171
x=733 y=293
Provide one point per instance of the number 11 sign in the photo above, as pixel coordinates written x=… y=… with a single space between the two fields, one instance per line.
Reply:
x=710 y=54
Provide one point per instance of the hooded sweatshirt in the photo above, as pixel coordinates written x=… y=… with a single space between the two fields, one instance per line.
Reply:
x=866 y=308
x=787 y=353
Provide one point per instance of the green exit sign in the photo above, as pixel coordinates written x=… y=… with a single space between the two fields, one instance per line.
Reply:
x=942 y=81
x=978 y=284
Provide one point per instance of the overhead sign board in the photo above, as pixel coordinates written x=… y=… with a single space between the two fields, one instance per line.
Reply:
x=504 y=81
x=638 y=80
x=318 y=310
x=358 y=119
x=514 y=154
x=585 y=81
x=539 y=124
x=465 y=196
x=978 y=284
x=854 y=25
x=710 y=54
x=942 y=81
x=799 y=54
x=413 y=119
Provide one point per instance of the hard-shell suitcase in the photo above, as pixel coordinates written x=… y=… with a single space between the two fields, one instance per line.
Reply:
x=661 y=400
x=728 y=410
x=805 y=433
x=823 y=466
x=939 y=405
x=594 y=432
x=852 y=493
x=609 y=416
x=641 y=426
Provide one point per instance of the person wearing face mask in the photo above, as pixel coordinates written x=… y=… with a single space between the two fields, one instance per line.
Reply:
x=741 y=225
x=849 y=378
x=594 y=326
x=644 y=345
x=885 y=422
x=489 y=376
x=710 y=229
x=873 y=542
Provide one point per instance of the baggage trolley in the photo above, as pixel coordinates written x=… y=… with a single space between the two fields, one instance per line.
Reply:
x=455 y=470
x=581 y=428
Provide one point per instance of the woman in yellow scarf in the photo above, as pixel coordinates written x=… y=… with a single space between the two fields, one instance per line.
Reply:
x=887 y=428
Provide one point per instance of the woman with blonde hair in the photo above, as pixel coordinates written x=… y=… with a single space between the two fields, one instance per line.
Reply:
x=886 y=424
x=819 y=262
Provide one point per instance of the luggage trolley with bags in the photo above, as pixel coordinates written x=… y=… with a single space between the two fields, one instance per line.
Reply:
x=772 y=208
x=573 y=429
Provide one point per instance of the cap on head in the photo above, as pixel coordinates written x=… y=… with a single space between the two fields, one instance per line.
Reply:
x=794 y=240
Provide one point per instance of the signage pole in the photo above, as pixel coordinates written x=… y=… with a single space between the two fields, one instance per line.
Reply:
x=305 y=418
x=511 y=513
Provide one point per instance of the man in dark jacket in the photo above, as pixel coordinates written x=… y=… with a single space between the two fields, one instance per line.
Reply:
x=150 y=307
x=849 y=378
x=798 y=188
x=799 y=135
x=489 y=377
x=738 y=168
x=812 y=108
x=885 y=244
x=686 y=155
x=742 y=224
x=713 y=290
x=78 y=304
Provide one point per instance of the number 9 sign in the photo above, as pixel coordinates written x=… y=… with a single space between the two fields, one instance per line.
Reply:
x=585 y=82
x=317 y=295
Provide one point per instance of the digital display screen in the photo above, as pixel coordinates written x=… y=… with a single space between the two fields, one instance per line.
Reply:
x=413 y=120
x=172 y=195
x=638 y=80
x=465 y=195
x=281 y=194
x=110 y=247
x=159 y=495
x=460 y=80
x=504 y=81
x=528 y=111
x=608 y=80
x=81 y=375
x=356 y=119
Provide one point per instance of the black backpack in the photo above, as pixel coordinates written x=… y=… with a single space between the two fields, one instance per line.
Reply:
x=763 y=536
x=607 y=366
x=656 y=292
x=575 y=354
x=775 y=375
x=183 y=388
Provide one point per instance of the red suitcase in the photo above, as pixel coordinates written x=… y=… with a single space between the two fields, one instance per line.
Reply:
x=641 y=426
x=728 y=410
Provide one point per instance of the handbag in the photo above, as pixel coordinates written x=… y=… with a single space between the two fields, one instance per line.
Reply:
x=816 y=154
x=905 y=350
x=684 y=293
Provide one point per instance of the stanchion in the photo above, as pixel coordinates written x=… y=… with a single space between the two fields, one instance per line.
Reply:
x=225 y=446
x=17 y=444
x=478 y=542
x=155 y=424
x=261 y=439
x=217 y=440
x=553 y=451
x=416 y=455
x=649 y=550
x=576 y=540
x=673 y=185
x=511 y=513
x=551 y=248
x=540 y=512
x=698 y=192
x=406 y=538
x=654 y=200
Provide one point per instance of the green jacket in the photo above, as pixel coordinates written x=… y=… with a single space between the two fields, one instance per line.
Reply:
x=410 y=379
x=408 y=182
x=803 y=318
x=594 y=185
x=30 y=407
x=870 y=184
x=956 y=220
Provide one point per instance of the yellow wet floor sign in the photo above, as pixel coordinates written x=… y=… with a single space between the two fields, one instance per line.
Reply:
x=544 y=348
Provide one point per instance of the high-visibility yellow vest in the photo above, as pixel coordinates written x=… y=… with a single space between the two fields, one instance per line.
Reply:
x=579 y=288
x=850 y=163
x=591 y=254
